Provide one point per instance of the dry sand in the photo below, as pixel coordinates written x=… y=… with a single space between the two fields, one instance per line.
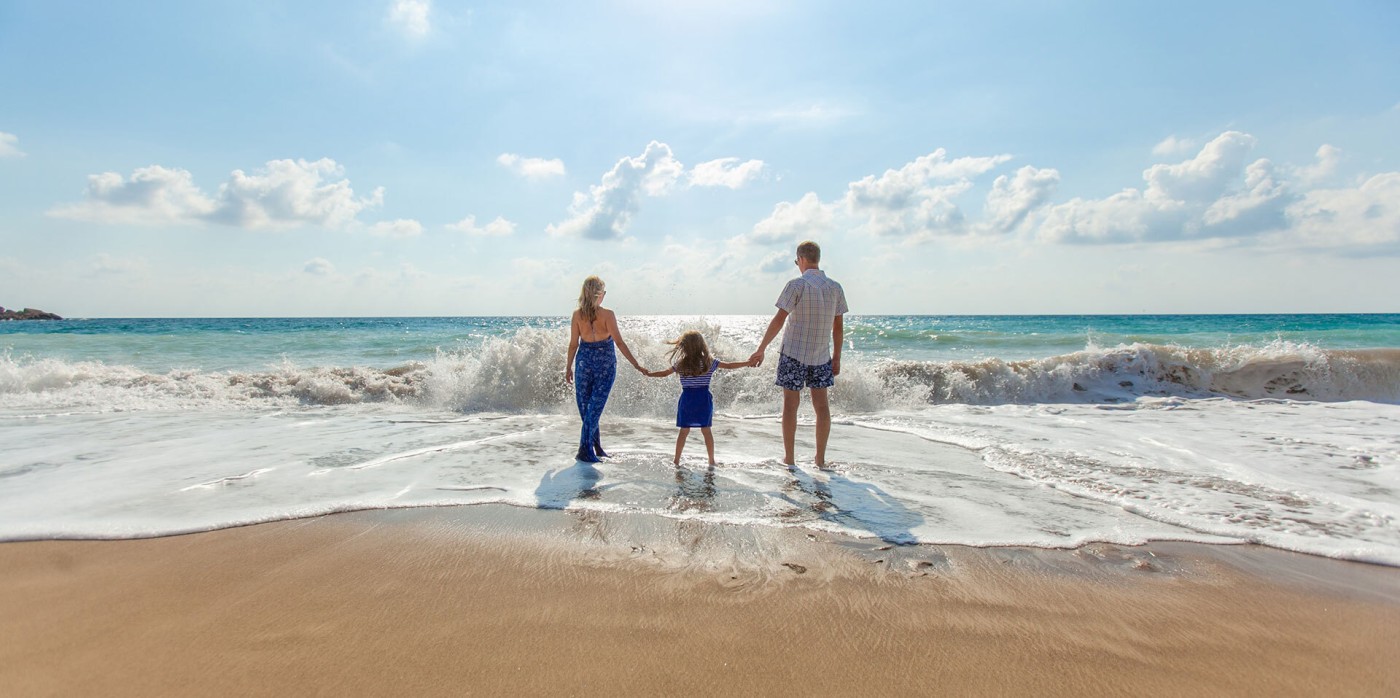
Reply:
x=496 y=600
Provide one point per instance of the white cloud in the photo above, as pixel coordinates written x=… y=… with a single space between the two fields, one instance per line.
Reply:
x=916 y=201
x=9 y=146
x=793 y=223
x=605 y=212
x=411 y=16
x=1365 y=215
x=405 y=276
x=496 y=228
x=778 y=263
x=291 y=192
x=1203 y=177
x=531 y=168
x=1217 y=196
x=1013 y=198
x=400 y=228
x=908 y=202
x=1122 y=217
x=318 y=266
x=607 y=209
x=1220 y=195
x=1328 y=159
x=1259 y=207
x=105 y=264
x=1171 y=145
x=726 y=172
x=152 y=195
x=1193 y=199
x=548 y=273
x=286 y=193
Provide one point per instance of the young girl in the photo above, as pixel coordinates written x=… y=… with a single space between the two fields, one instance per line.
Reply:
x=691 y=359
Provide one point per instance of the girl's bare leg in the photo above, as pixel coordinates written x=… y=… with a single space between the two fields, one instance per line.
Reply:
x=709 y=443
x=680 y=445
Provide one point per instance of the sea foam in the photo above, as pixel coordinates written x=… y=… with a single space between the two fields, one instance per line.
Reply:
x=524 y=373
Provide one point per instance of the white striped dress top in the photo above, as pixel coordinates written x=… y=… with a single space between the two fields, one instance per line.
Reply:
x=700 y=381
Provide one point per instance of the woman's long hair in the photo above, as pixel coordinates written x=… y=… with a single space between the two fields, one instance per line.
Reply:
x=588 y=298
x=691 y=356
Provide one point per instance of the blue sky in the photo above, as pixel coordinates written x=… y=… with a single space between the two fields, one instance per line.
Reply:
x=392 y=157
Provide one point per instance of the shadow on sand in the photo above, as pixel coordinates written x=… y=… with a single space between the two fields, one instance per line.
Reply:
x=559 y=487
x=855 y=505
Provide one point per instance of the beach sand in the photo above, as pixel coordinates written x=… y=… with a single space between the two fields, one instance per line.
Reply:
x=491 y=600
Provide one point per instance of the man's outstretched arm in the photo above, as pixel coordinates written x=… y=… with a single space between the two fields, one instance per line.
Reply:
x=774 y=326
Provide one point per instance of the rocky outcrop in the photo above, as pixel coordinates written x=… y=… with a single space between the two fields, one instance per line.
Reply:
x=26 y=314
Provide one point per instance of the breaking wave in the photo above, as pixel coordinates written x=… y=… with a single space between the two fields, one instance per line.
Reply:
x=523 y=373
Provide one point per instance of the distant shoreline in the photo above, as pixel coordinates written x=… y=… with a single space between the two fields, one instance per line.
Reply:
x=7 y=314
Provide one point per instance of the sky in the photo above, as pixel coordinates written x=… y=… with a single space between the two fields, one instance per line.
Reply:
x=430 y=157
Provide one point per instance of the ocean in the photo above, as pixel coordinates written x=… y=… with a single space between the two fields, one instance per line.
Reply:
x=1046 y=431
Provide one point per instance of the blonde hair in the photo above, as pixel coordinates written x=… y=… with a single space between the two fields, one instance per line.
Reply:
x=691 y=355
x=810 y=251
x=588 y=298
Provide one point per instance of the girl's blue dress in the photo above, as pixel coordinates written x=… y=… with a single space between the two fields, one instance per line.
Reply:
x=696 y=407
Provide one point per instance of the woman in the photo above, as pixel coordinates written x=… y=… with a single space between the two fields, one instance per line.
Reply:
x=592 y=333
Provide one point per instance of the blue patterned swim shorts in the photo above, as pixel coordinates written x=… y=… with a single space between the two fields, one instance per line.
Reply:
x=795 y=375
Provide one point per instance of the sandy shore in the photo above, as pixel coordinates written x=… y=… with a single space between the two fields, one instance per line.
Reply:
x=495 y=600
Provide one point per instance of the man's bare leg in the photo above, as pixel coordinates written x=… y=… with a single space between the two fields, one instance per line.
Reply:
x=823 y=410
x=791 y=398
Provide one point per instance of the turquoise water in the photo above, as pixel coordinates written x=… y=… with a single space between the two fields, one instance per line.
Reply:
x=160 y=344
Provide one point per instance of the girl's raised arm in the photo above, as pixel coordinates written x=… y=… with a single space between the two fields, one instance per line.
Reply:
x=735 y=364
x=573 y=348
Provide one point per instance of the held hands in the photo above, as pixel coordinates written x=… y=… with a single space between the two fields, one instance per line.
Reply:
x=756 y=359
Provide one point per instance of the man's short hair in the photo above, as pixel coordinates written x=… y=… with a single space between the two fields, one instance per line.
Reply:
x=810 y=251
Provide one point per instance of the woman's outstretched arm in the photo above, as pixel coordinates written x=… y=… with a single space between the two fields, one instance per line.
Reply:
x=621 y=344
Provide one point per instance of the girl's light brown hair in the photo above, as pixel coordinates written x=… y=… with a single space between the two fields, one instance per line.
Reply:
x=588 y=298
x=691 y=356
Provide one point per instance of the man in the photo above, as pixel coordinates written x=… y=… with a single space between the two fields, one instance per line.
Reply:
x=811 y=306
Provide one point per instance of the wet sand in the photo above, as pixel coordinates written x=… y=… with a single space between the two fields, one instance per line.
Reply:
x=493 y=600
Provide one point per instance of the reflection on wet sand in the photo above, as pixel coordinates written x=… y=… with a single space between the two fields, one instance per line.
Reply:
x=695 y=492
